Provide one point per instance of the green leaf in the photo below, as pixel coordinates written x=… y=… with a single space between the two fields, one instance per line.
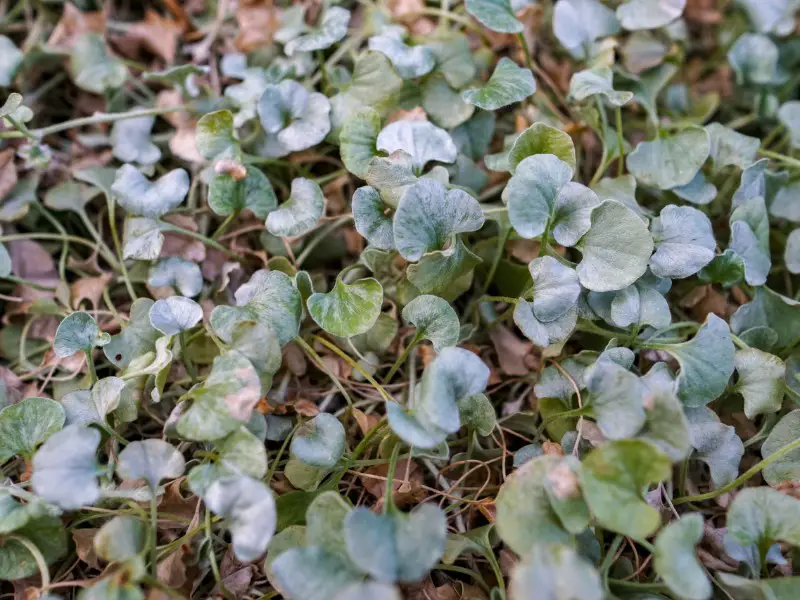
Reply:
x=454 y=58
x=578 y=23
x=496 y=15
x=769 y=16
x=47 y=534
x=760 y=381
x=787 y=467
x=10 y=58
x=545 y=334
x=140 y=197
x=563 y=491
x=615 y=250
x=313 y=573
x=69 y=196
x=762 y=515
x=216 y=136
x=130 y=141
x=789 y=116
x=177 y=272
x=259 y=344
x=791 y=253
x=396 y=546
x=152 y=460
x=319 y=442
x=769 y=309
x=227 y=195
x=649 y=14
x=697 y=191
x=666 y=427
x=555 y=572
x=78 y=332
x=434 y=319
x=370 y=218
x=443 y=104
x=676 y=561
x=472 y=138
x=410 y=62
x=508 y=85
x=540 y=138
x=754 y=58
x=358 y=139
x=729 y=147
x=555 y=288
x=643 y=302
x=120 y=539
x=24 y=426
x=331 y=28
x=673 y=161
x=616 y=398
x=422 y=140
x=92 y=68
x=325 y=520
x=175 y=314
x=5 y=262
x=429 y=215
x=300 y=213
x=443 y=272
x=248 y=509
x=613 y=477
x=292 y=118
x=594 y=82
x=268 y=298
x=715 y=444
x=137 y=338
x=83 y=407
x=143 y=239
x=348 y=309
x=477 y=413
x=749 y=248
x=707 y=362
x=368 y=590
x=726 y=269
x=65 y=468
x=684 y=242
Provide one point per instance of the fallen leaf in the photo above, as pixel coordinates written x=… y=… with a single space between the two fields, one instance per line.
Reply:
x=157 y=34
x=511 y=350
x=405 y=492
x=176 y=244
x=73 y=25
x=258 y=21
x=84 y=546
x=8 y=172
x=89 y=288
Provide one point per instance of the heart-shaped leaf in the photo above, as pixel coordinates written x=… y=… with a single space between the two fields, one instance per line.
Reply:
x=497 y=15
x=120 y=539
x=136 y=339
x=754 y=58
x=78 y=332
x=421 y=140
x=676 y=561
x=434 y=319
x=410 y=62
x=594 y=82
x=666 y=427
x=684 y=242
x=348 y=309
x=769 y=16
x=771 y=310
x=300 y=213
x=540 y=138
x=726 y=269
x=69 y=196
x=152 y=460
x=615 y=250
x=791 y=253
x=616 y=399
x=293 y=119
x=24 y=426
x=313 y=573
x=762 y=516
x=331 y=28
x=760 y=381
x=729 y=147
x=698 y=191
x=396 y=547
x=750 y=249
x=65 y=468
x=259 y=344
x=670 y=161
x=578 y=23
x=325 y=519
x=370 y=218
x=508 y=85
x=643 y=302
x=443 y=104
x=83 y=407
x=93 y=68
x=555 y=288
x=227 y=194
x=175 y=314
x=216 y=136
x=649 y=14
x=549 y=335
x=177 y=272
x=357 y=141
x=130 y=141
x=715 y=444
x=140 y=197
x=143 y=239
x=786 y=467
x=319 y=442
x=557 y=572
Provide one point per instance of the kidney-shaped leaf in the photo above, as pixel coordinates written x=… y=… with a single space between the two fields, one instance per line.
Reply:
x=578 y=23
x=25 y=425
x=649 y=14
x=616 y=399
x=434 y=320
x=313 y=573
x=540 y=138
x=47 y=533
x=410 y=62
x=120 y=539
x=130 y=141
x=137 y=338
x=370 y=219
x=140 y=197
x=348 y=309
x=78 y=332
x=331 y=28
x=497 y=15
x=597 y=81
x=422 y=140
x=684 y=242
x=216 y=136
x=319 y=442
x=229 y=193
x=85 y=406
x=787 y=467
x=300 y=213
x=175 y=314
x=729 y=147
x=555 y=288
x=152 y=460
x=669 y=162
x=676 y=561
x=760 y=381
x=508 y=84
x=762 y=515
x=183 y=274
x=716 y=444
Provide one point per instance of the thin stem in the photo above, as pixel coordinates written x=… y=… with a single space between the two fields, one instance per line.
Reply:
x=41 y=563
x=112 y=223
x=212 y=559
x=105 y=118
x=47 y=236
x=309 y=350
x=401 y=360
x=608 y=559
x=789 y=161
x=325 y=232
x=92 y=370
x=620 y=143
x=501 y=244
x=198 y=236
x=224 y=225
x=154 y=531
x=388 y=503
x=356 y=366
x=185 y=356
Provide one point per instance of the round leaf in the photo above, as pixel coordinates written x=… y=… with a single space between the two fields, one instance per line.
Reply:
x=421 y=140
x=497 y=15
x=540 y=138
x=320 y=441
x=130 y=141
x=227 y=195
x=508 y=85
x=555 y=288
x=300 y=213
x=152 y=460
x=684 y=242
x=410 y=62
x=649 y=14
x=555 y=572
x=597 y=81
x=676 y=561
x=140 y=197
x=78 y=332
x=331 y=28
x=434 y=319
x=787 y=467
x=120 y=539
x=760 y=381
x=671 y=161
x=578 y=23
x=25 y=425
x=178 y=272
x=175 y=314
x=348 y=309
x=370 y=218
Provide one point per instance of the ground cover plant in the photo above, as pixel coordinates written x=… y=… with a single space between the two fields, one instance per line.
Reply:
x=492 y=300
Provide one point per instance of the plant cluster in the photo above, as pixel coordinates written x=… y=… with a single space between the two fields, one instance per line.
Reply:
x=492 y=300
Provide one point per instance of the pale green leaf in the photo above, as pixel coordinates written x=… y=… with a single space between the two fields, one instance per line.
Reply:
x=649 y=14
x=65 y=468
x=760 y=381
x=319 y=442
x=175 y=314
x=508 y=85
x=497 y=15
x=673 y=161
x=684 y=242
x=348 y=309
x=24 y=426
x=540 y=138
x=140 y=197
x=597 y=81
x=434 y=319
x=676 y=561
x=300 y=213
x=422 y=140
x=555 y=572
x=152 y=460
x=331 y=28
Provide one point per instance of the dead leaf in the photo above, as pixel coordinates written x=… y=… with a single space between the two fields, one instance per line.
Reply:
x=365 y=422
x=258 y=21
x=236 y=575
x=8 y=172
x=183 y=144
x=511 y=350
x=176 y=244
x=172 y=570
x=84 y=546
x=552 y=448
x=89 y=288
x=405 y=492
x=704 y=300
x=294 y=359
x=14 y=386
x=73 y=25
x=157 y=34
x=306 y=408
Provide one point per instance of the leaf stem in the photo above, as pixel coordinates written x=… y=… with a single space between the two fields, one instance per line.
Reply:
x=388 y=503
x=402 y=358
x=356 y=366
x=787 y=160
x=104 y=118
x=92 y=369
x=212 y=559
x=185 y=356
x=41 y=563
x=309 y=350
x=154 y=531
x=620 y=143
x=198 y=236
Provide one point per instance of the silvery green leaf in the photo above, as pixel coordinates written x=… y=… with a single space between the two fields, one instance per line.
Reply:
x=642 y=302
x=181 y=76
x=729 y=147
x=142 y=239
x=622 y=189
x=391 y=176
x=17 y=202
x=670 y=161
x=25 y=425
x=293 y=119
x=544 y=334
x=369 y=590
x=791 y=253
x=747 y=246
x=47 y=534
x=454 y=58
x=615 y=250
x=540 y=138
x=573 y=213
x=216 y=136
x=698 y=191
x=715 y=444
x=613 y=477
x=348 y=309
x=649 y=14
x=616 y=400
x=444 y=105
x=676 y=561
x=789 y=116
x=422 y=140
x=70 y=196
x=130 y=141
x=648 y=86
x=120 y=539
x=325 y=522
x=227 y=195
x=177 y=272
x=762 y=515
x=92 y=68
x=478 y=414
x=786 y=205
x=410 y=62
x=313 y=573
x=370 y=218
x=532 y=192
x=465 y=173
x=331 y=28
x=707 y=362
x=726 y=269
x=248 y=510
x=83 y=407
x=408 y=428
x=666 y=427
x=754 y=58
x=508 y=85
x=438 y=272
x=760 y=381
x=245 y=95
x=497 y=15
x=684 y=242
x=319 y=442
x=578 y=23
x=5 y=262
x=152 y=460
x=268 y=298
x=597 y=81
x=787 y=467
x=434 y=319
x=555 y=288
x=357 y=141
x=555 y=572
x=472 y=138
x=429 y=215
x=140 y=197
x=259 y=344
x=78 y=332
x=10 y=59
x=175 y=314
x=137 y=338
x=65 y=468
x=396 y=546
x=300 y=213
